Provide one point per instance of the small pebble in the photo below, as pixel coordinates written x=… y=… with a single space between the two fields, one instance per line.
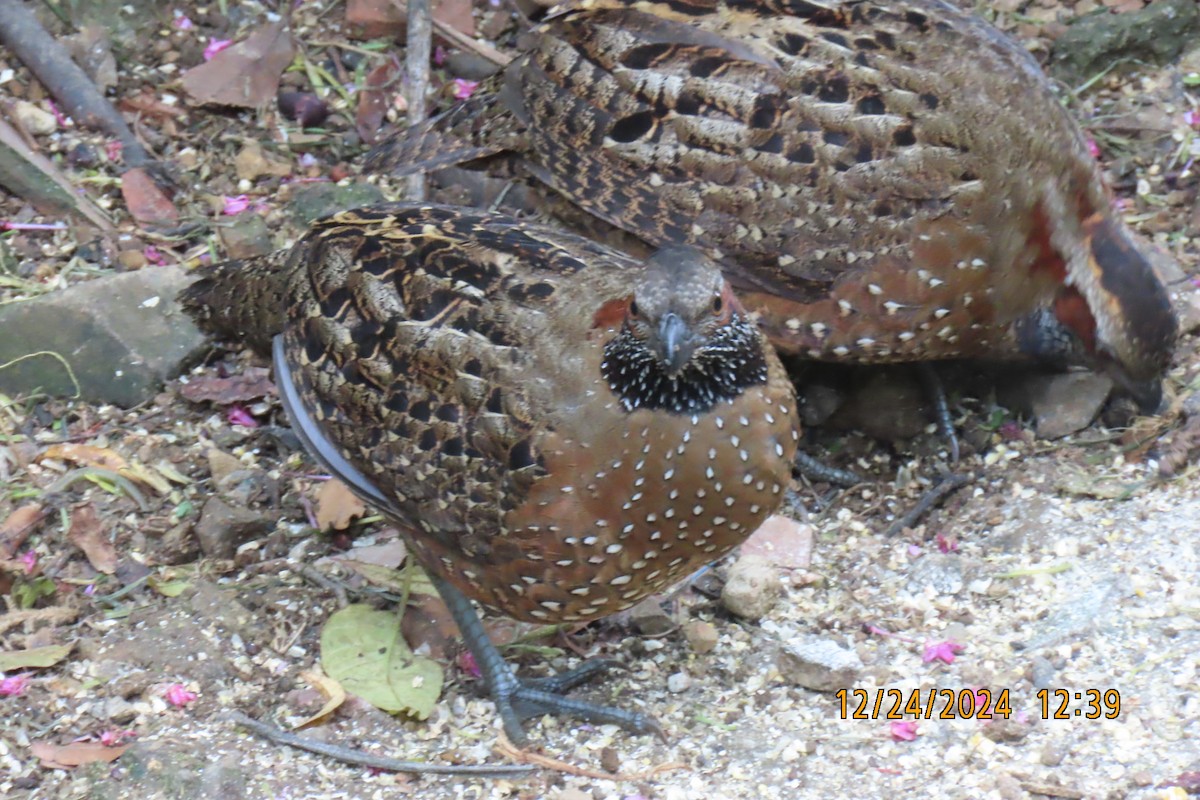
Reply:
x=678 y=682
x=1052 y=754
x=752 y=587
x=701 y=636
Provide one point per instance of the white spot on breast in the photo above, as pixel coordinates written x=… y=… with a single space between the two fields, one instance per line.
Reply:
x=614 y=548
x=621 y=580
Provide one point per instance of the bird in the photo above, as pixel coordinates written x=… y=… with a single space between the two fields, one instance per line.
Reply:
x=881 y=180
x=559 y=429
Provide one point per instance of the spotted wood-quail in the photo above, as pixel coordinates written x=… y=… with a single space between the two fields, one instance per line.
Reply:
x=560 y=429
x=881 y=180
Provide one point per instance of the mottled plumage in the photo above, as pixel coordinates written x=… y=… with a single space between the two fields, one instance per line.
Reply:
x=882 y=180
x=560 y=429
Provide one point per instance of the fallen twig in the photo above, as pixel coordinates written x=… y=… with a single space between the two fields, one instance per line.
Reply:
x=941 y=489
x=506 y=748
x=350 y=756
x=461 y=40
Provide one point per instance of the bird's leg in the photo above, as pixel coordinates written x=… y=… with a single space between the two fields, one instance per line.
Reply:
x=816 y=470
x=517 y=699
x=941 y=407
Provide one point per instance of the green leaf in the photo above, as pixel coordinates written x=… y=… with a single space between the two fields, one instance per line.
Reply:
x=1191 y=79
x=26 y=594
x=363 y=650
x=34 y=657
x=168 y=588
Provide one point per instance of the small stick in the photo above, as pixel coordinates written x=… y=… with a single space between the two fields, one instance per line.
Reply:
x=460 y=39
x=350 y=756
x=948 y=484
x=416 y=65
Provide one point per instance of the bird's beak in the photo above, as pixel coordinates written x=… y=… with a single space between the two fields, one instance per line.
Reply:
x=674 y=342
x=1148 y=394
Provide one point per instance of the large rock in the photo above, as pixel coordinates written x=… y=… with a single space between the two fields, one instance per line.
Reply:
x=120 y=334
x=1097 y=42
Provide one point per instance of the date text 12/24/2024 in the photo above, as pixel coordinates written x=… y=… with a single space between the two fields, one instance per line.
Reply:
x=897 y=704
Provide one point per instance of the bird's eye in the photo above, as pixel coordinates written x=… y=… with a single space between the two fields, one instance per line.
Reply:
x=633 y=308
x=718 y=304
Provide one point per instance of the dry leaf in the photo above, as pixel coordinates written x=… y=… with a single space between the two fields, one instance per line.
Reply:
x=380 y=85
x=333 y=692
x=17 y=527
x=337 y=506
x=87 y=455
x=65 y=756
x=87 y=533
x=458 y=14
x=246 y=74
x=145 y=200
x=34 y=657
x=783 y=541
x=251 y=384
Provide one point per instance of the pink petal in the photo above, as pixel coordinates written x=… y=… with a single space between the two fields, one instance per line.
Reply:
x=946 y=545
x=113 y=150
x=29 y=559
x=215 y=46
x=464 y=88
x=238 y=415
x=467 y=663
x=439 y=55
x=1191 y=118
x=903 y=731
x=114 y=737
x=178 y=696
x=1092 y=147
x=182 y=22
x=152 y=254
x=235 y=205
x=941 y=651
x=14 y=686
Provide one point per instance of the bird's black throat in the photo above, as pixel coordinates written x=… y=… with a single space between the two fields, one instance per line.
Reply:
x=727 y=364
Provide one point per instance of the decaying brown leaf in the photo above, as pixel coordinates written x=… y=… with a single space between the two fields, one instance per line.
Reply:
x=87 y=533
x=373 y=100
x=86 y=455
x=251 y=384
x=337 y=506
x=17 y=527
x=333 y=692
x=244 y=75
x=65 y=756
x=148 y=204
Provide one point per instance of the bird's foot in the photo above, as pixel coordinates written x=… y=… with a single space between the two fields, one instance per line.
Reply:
x=520 y=699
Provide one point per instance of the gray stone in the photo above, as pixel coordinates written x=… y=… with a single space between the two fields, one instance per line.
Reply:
x=1059 y=404
x=247 y=236
x=649 y=618
x=818 y=664
x=1157 y=33
x=223 y=528
x=122 y=335
x=323 y=199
